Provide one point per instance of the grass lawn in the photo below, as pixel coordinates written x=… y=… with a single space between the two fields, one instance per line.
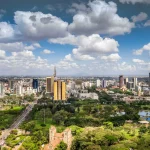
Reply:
x=7 y=116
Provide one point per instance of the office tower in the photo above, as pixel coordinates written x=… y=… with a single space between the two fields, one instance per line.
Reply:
x=134 y=80
x=126 y=80
x=55 y=90
x=63 y=90
x=59 y=90
x=35 y=83
x=149 y=79
x=1 y=89
x=98 y=82
x=121 y=81
x=54 y=71
x=11 y=84
x=18 y=89
x=130 y=85
x=50 y=84
x=103 y=84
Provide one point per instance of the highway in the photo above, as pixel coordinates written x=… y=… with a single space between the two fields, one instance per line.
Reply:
x=18 y=121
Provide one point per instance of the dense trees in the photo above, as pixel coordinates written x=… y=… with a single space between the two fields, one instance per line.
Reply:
x=61 y=146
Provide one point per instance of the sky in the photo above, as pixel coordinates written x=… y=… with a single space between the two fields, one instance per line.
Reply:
x=79 y=37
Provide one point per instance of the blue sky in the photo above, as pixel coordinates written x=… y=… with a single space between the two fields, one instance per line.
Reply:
x=97 y=37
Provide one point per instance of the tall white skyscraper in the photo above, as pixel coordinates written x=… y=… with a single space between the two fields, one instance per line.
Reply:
x=134 y=80
x=98 y=82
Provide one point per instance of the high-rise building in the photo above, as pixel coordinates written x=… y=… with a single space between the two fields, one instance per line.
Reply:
x=1 y=89
x=98 y=82
x=11 y=84
x=35 y=83
x=149 y=79
x=54 y=71
x=50 y=84
x=126 y=80
x=55 y=90
x=63 y=90
x=59 y=90
x=130 y=85
x=134 y=80
x=121 y=80
x=103 y=84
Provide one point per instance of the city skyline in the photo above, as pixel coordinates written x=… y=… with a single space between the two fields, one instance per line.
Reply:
x=80 y=38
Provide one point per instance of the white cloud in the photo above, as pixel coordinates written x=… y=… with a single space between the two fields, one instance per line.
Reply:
x=138 y=61
x=135 y=1
x=6 y=31
x=23 y=63
x=140 y=51
x=66 y=65
x=18 y=46
x=36 y=45
x=68 y=58
x=99 y=17
x=111 y=57
x=147 y=23
x=46 y=51
x=89 y=46
x=2 y=54
x=81 y=56
x=140 y=17
x=36 y=25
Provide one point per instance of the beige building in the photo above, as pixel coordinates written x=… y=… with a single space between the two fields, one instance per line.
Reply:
x=50 y=84
x=55 y=138
x=59 y=90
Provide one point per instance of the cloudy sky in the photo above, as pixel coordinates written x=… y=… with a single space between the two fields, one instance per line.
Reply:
x=79 y=37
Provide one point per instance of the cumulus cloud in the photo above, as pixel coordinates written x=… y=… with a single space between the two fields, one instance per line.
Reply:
x=23 y=62
x=99 y=17
x=66 y=65
x=138 y=61
x=46 y=51
x=6 y=31
x=68 y=58
x=89 y=45
x=18 y=46
x=147 y=23
x=140 y=51
x=140 y=17
x=111 y=57
x=135 y=1
x=36 y=25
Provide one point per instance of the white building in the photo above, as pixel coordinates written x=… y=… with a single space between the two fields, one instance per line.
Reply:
x=98 y=83
x=88 y=95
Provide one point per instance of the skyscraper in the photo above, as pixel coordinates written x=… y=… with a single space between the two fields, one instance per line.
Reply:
x=149 y=79
x=126 y=80
x=121 y=80
x=54 y=71
x=98 y=82
x=59 y=90
x=63 y=91
x=134 y=80
x=50 y=84
x=35 y=83
x=55 y=90
x=1 y=89
x=103 y=83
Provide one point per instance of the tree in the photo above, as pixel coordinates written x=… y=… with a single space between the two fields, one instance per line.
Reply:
x=61 y=146
x=59 y=117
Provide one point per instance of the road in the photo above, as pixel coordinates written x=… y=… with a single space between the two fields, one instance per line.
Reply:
x=18 y=121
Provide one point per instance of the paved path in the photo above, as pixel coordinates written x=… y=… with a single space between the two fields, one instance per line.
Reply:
x=17 y=122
